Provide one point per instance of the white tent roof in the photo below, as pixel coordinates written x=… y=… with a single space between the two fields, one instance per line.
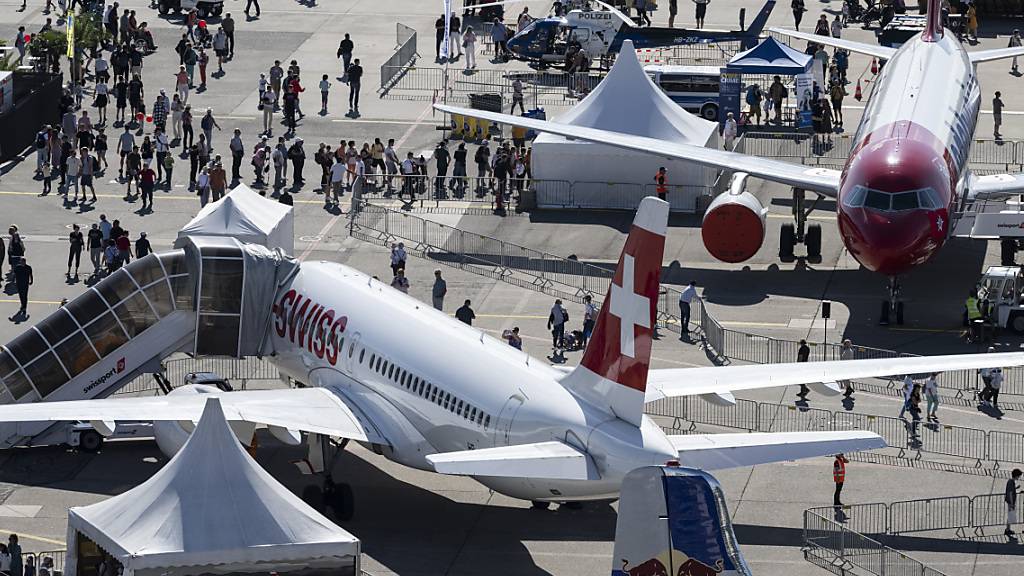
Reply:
x=247 y=216
x=628 y=101
x=210 y=505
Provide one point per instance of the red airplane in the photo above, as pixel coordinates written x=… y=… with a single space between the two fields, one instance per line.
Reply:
x=906 y=177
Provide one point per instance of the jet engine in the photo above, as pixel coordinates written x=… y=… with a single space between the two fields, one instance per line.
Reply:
x=734 y=224
x=171 y=435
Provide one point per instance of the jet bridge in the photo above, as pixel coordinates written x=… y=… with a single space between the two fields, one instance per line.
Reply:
x=211 y=298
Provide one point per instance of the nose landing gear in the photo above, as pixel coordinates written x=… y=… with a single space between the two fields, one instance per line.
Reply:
x=893 y=306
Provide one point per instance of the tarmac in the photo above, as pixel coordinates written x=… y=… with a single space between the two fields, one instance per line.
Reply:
x=414 y=523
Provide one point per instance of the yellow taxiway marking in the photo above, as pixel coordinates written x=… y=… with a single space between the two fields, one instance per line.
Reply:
x=157 y=195
x=36 y=538
x=13 y=301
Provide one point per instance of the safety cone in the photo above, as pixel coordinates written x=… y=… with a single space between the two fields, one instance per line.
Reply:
x=874 y=66
x=857 y=94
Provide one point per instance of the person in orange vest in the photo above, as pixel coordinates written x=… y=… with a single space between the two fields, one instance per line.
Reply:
x=839 y=476
x=662 y=180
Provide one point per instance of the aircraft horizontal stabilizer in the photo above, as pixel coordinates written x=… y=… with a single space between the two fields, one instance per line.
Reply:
x=883 y=52
x=717 y=451
x=996 y=54
x=312 y=410
x=546 y=460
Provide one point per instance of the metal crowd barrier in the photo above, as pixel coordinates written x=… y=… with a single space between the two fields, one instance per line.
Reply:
x=403 y=57
x=958 y=513
x=238 y=371
x=837 y=548
x=52 y=561
x=913 y=439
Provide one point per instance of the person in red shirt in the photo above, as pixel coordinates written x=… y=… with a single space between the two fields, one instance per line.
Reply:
x=124 y=249
x=297 y=89
x=147 y=181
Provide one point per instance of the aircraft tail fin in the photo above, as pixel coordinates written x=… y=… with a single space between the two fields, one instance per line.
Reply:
x=933 y=22
x=757 y=24
x=613 y=372
x=673 y=520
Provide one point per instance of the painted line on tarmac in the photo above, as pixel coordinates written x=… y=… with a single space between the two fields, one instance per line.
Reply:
x=13 y=301
x=790 y=217
x=34 y=537
x=130 y=205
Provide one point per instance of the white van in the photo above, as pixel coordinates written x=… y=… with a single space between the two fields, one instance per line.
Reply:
x=695 y=88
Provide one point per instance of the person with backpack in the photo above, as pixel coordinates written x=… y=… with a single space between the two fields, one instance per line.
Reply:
x=483 y=168
x=754 y=97
x=42 y=138
x=777 y=92
x=556 y=323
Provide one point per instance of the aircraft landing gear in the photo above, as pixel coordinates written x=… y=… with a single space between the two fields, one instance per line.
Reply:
x=334 y=497
x=538 y=505
x=800 y=232
x=893 y=306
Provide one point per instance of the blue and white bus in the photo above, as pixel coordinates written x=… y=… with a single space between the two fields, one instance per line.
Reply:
x=695 y=88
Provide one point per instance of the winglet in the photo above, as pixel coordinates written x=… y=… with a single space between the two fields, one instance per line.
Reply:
x=613 y=373
x=933 y=23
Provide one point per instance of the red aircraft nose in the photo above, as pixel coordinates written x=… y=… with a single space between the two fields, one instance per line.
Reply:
x=894 y=200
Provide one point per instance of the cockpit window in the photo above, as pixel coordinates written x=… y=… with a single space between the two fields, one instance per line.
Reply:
x=862 y=197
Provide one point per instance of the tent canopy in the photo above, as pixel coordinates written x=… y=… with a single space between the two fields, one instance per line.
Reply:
x=247 y=216
x=211 y=506
x=770 y=57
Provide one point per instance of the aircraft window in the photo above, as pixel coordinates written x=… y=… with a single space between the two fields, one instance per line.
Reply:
x=447 y=400
x=219 y=334
x=904 y=201
x=878 y=200
x=145 y=270
x=402 y=374
x=362 y=353
x=46 y=374
x=136 y=315
x=106 y=334
x=341 y=343
x=116 y=287
x=487 y=422
x=433 y=393
x=160 y=297
x=855 y=199
x=390 y=369
x=929 y=199
x=351 y=349
x=221 y=287
x=18 y=385
x=76 y=354
x=380 y=361
x=57 y=326
x=540 y=41
x=7 y=363
x=472 y=414
x=184 y=292
x=458 y=410
x=27 y=346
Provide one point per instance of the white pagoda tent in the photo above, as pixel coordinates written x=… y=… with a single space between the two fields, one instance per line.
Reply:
x=247 y=216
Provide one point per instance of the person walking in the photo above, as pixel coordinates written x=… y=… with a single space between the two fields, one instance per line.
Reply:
x=398 y=257
x=237 y=152
x=556 y=323
x=997 y=115
x=22 y=280
x=686 y=298
x=355 y=77
x=1015 y=42
x=14 y=549
x=297 y=154
x=931 y=395
x=1010 y=497
x=228 y=26
x=252 y=4
x=908 y=392
x=673 y=9
x=839 y=477
x=798 y=12
x=345 y=48
x=95 y=245
x=208 y=123
x=729 y=131
x=661 y=179
x=325 y=92
x=76 y=242
x=438 y=291
x=218 y=180
x=400 y=282
x=846 y=352
x=803 y=354
x=702 y=10
x=972 y=23
x=465 y=313
x=142 y=246
x=469 y=43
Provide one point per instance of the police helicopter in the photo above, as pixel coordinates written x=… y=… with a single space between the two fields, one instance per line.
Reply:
x=601 y=32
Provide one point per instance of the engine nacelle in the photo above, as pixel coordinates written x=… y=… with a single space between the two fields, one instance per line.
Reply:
x=171 y=435
x=735 y=223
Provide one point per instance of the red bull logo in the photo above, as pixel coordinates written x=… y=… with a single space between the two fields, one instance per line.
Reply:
x=652 y=567
x=694 y=567
x=309 y=325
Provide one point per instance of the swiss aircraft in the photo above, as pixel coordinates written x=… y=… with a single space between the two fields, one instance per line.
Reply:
x=906 y=178
x=602 y=32
x=411 y=383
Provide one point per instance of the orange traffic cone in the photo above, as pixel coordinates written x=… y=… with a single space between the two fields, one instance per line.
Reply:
x=874 y=66
x=857 y=93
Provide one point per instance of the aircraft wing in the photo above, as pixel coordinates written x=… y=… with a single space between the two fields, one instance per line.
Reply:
x=883 y=52
x=996 y=186
x=717 y=383
x=717 y=451
x=543 y=460
x=307 y=409
x=820 y=180
x=996 y=54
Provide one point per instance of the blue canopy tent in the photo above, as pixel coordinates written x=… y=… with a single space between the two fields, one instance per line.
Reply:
x=770 y=57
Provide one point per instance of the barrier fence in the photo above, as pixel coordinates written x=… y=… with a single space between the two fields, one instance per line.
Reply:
x=239 y=372
x=393 y=67
x=958 y=513
x=839 y=549
x=913 y=438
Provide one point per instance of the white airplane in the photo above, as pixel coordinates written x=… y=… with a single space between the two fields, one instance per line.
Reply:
x=906 y=178
x=430 y=392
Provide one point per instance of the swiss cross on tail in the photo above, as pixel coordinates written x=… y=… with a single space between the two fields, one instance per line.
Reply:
x=613 y=373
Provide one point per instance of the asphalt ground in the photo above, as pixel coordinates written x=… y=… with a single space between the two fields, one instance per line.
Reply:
x=419 y=523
